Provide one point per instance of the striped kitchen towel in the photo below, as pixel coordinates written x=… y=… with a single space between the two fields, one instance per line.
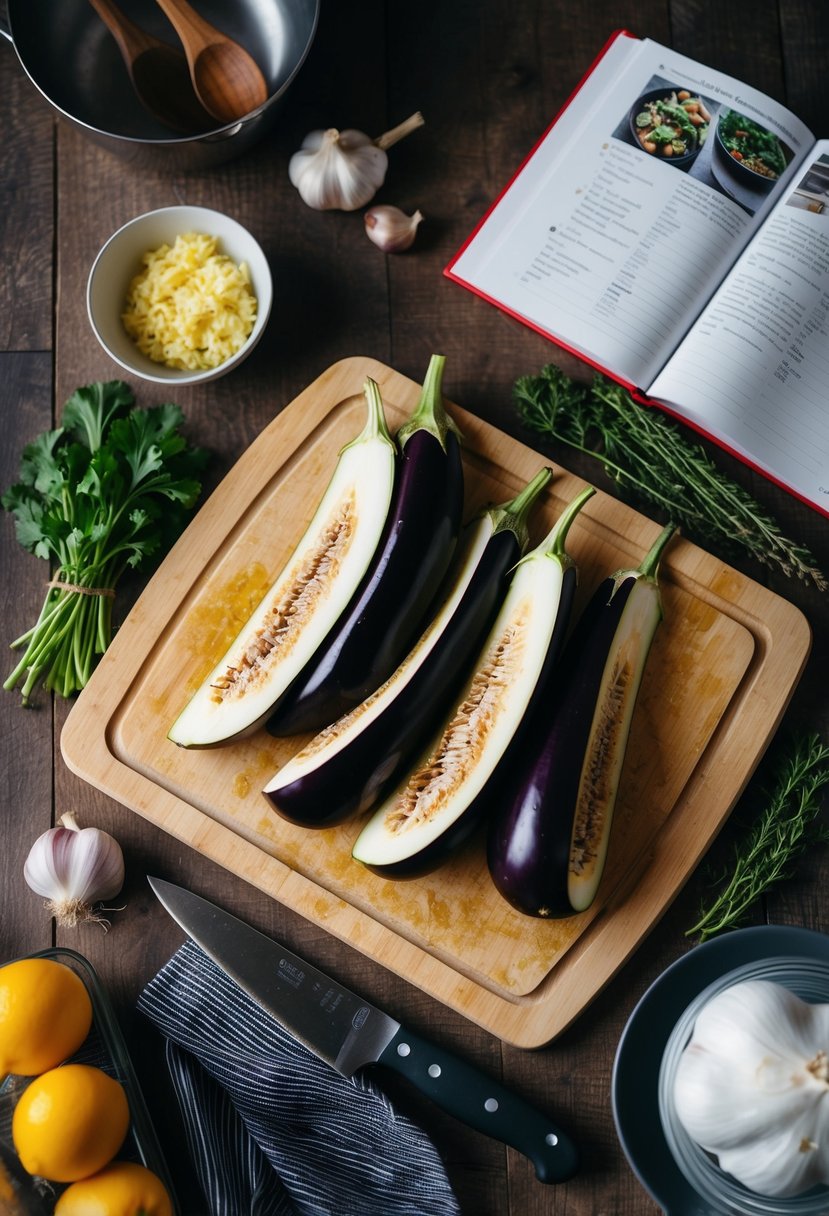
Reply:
x=274 y=1131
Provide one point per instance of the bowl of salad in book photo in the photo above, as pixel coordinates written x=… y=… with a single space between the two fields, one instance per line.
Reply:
x=754 y=156
x=670 y=123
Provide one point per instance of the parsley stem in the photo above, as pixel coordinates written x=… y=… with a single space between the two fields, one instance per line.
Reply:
x=109 y=489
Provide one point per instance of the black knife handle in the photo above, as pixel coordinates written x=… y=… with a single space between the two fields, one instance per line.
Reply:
x=470 y=1095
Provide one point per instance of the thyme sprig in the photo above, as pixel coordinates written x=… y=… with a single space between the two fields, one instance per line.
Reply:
x=784 y=831
x=650 y=460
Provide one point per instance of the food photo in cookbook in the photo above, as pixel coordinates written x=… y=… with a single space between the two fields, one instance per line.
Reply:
x=670 y=122
x=415 y=734
x=718 y=146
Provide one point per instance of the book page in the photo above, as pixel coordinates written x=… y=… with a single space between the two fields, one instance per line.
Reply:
x=610 y=241
x=754 y=370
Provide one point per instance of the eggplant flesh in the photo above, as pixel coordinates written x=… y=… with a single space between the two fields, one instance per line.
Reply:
x=307 y=598
x=391 y=607
x=548 y=848
x=610 y=728
x=346 y=768
x=440 y=802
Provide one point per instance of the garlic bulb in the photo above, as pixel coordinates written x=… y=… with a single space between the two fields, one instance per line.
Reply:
x=752 y=1087
x=343 y=170
x=74 y=868
x=390 y=228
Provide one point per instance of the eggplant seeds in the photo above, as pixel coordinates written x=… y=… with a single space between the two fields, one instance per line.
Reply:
x=299 y=611
x=463 y=739
x=596 y=793
x=287 y=616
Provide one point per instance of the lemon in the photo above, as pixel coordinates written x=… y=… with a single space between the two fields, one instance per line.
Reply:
x=122 y=1189
x=70 y=1122
x=45 y=1015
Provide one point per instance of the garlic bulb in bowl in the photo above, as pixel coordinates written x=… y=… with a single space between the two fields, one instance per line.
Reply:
x=752 y=1087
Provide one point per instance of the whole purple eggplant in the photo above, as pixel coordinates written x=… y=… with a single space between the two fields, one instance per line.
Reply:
x=547 y=847
x=346 y=768
x=391 y=606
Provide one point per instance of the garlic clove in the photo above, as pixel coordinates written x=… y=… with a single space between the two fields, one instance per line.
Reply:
x=343 y=170
x=74 y=868
x=390 y=228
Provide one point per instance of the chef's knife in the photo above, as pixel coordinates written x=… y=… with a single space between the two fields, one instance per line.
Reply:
x=349 y=1033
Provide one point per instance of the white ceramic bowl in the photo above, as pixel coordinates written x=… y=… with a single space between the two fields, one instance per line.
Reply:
x=120 y=260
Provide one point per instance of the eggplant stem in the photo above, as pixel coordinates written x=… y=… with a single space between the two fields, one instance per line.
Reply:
x=650 y=563
x=512 y=516
x=553 y=543
x=429 y=414
x=522 y=501
x=376 y=425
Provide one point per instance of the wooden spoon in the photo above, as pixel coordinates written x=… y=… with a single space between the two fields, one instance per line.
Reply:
x=159 y=73
x=226 y=78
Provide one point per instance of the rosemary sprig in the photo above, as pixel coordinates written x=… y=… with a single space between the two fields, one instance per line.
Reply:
x=783 y=832
x=649 y=459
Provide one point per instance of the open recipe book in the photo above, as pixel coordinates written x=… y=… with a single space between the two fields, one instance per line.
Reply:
x=671 y=227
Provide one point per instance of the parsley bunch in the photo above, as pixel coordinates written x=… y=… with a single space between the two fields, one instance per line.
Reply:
x=650 y=460
x=108 y=490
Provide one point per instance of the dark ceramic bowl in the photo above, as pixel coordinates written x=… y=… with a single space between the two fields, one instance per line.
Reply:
x=682 y=161
x=738 y=169
x=639 y=1058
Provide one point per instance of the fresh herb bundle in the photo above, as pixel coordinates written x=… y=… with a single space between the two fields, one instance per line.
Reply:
x=106 y=491
x=786 y=828
x=648 y=458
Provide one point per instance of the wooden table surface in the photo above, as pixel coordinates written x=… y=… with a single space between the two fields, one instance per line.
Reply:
x=488 y=77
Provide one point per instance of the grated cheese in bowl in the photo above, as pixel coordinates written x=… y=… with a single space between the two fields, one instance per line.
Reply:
x=190 y=306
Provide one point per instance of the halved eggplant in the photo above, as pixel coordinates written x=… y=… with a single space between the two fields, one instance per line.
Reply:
x=392 y=606
x=548 y=847
x=305 y=602
x=439 y=803
x=346 y=768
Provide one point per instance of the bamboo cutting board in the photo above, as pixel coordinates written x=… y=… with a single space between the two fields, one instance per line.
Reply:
x=724 y=664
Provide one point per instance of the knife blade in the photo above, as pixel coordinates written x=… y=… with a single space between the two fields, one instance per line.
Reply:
x=349 y=1033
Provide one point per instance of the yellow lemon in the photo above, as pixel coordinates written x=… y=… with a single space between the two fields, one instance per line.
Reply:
x=122 y=1189
x=45 y=1015
x=70 y=1122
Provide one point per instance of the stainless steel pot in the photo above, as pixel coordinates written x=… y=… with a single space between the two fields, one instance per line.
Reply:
x=72 y=59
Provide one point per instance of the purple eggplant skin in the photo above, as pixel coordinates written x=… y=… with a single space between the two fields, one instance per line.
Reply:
x=389 y=610
x=528 y=853
x=529 y=843
x=441 y=851
x=353 y=779
x=481 y=809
